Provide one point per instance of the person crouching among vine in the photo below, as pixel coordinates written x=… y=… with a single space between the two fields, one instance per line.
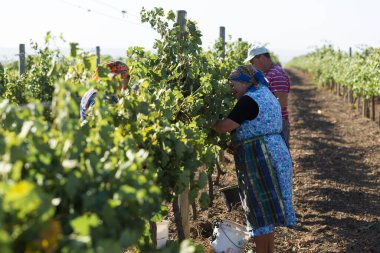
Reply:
x=116 y=68
x=262 y=160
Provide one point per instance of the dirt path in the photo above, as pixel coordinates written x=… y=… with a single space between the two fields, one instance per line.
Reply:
x=336 y=155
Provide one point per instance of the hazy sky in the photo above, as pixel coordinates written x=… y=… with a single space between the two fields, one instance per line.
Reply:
x=289 y=27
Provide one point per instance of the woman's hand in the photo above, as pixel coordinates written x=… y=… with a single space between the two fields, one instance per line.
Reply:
x=225 y=125
x=230 y=148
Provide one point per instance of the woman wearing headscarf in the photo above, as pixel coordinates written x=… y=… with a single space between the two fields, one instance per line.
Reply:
x=262 y=160
x=115 y=68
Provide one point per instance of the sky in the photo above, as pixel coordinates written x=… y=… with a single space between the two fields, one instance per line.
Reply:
x=288 y=27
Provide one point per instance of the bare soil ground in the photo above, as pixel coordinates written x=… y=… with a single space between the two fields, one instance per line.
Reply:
x=336 y=155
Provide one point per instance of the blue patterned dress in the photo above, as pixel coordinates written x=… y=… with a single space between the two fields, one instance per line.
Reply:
x=264 y=166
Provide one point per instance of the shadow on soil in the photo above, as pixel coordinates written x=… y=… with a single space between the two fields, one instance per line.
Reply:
x=330 y=158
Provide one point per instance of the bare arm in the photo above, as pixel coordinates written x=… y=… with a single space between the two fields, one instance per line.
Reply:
x=282 y=98
x=225 y=125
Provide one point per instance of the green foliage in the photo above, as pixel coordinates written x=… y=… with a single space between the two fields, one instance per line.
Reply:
x=44 y=68
x=38 y=81
x=360 y=73
x=98 y=190
x=92 y=186
x=2 y=80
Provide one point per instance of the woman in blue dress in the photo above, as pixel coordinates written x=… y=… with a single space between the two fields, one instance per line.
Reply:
x=262 y=159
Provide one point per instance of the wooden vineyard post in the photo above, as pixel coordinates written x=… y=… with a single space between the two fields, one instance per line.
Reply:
x=97 y=56
x=344 y=93
x=194 y=208
x=210 y=189
x=351 y=96
x=350 y=92
x=181 y=19
x=21 y=64
x=153 y=233
x=222 y=35
x=219 y=165
x=373 y=108
x=379 y=118
x=178 y=219
x=366 y=107
x=184 y=207
x=338 y=89
x=183 y=199
x=330 y=85
x=222 y=159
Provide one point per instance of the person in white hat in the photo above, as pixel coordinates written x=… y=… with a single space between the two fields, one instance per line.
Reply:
x=278 y=80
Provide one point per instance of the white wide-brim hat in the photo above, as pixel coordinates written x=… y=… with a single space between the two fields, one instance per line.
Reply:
x=255 y=51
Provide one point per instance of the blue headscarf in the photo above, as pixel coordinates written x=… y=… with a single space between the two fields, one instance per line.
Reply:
x=247 y=77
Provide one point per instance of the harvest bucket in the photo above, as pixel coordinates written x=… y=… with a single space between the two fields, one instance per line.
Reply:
x=229 y=237
x=162 y=233
x=231 y=196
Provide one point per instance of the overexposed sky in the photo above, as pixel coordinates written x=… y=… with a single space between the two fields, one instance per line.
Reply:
x=289 y=27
